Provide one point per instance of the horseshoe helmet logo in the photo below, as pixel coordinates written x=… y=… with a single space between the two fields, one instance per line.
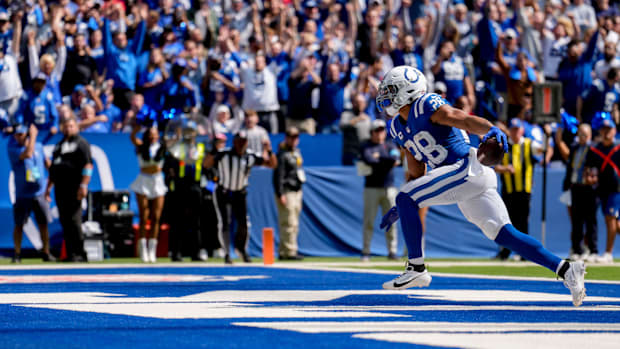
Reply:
x=417 y=77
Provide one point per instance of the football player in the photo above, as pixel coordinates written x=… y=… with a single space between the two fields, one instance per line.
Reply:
x=431 y=131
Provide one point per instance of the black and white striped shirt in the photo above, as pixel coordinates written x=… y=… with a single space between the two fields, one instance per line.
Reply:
x=233 y=170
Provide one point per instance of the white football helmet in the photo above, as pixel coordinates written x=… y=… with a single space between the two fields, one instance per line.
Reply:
x=402 y=85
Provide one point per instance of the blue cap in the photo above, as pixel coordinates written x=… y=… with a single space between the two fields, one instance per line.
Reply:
x=311 y=3
x=79 y=88
x=21 y=128
x=608 y=123
x=516 y=123
x=40 y=76
x=602 y=119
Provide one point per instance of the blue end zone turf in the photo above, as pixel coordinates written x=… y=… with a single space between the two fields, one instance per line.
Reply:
x=257 y=307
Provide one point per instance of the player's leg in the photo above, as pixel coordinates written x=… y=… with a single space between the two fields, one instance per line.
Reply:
x=388 y=199
x=440 y=186
x=488 y=212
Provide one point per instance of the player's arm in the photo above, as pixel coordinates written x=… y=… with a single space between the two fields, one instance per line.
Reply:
x=415 y=168
x=453 y=117
x=449 y=116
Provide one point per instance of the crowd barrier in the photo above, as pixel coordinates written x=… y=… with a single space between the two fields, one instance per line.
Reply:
x=331 y=220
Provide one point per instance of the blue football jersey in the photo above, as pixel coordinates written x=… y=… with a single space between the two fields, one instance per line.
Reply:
x=434 y=144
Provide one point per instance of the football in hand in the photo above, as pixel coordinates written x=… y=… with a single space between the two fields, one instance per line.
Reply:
x=490 y=152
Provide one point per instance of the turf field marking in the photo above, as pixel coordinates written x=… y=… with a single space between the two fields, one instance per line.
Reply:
x=132 y=278
x=502 y=340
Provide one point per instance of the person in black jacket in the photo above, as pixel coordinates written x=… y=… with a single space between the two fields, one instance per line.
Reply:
x=380 y=158
x=70 y=172
x=288 y=179
x=583 y=197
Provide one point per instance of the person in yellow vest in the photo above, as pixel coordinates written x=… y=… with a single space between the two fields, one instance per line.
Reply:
x=184 y=170
x=517 y=177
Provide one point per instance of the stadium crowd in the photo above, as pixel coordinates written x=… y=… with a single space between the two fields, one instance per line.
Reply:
x=314 y=66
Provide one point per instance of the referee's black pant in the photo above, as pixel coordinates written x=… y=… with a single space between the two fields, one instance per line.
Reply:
x=518 y=206
x=583 y=212
x=70 y=215
x=233 y=206
x=210 y=223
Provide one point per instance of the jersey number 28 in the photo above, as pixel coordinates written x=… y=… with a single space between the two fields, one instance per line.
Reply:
x=424 y=144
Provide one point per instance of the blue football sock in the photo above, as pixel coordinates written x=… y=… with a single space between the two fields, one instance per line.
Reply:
x=528 y=247
x=410 y=224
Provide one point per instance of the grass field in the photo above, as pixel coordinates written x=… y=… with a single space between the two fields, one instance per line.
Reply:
x=471 y=266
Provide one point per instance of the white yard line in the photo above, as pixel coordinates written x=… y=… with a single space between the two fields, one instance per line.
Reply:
x=353 y=267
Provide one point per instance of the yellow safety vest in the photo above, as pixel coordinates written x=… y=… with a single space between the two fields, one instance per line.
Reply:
x=520 y=157
x=200 y=148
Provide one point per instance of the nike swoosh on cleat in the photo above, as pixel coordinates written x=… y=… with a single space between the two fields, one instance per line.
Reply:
x=404 y=283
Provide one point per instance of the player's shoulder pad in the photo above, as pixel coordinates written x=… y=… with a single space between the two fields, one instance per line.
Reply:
x=428 y=104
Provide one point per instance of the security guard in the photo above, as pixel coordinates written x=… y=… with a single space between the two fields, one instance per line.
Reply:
x=233 y=168
x=183 y=169
x=288 y=178
x=517 y=173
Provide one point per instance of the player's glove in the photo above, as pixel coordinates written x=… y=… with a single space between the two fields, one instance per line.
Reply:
x=499 y=135
x=389 y=218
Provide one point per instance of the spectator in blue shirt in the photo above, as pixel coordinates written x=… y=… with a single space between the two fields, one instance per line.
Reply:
x=450 y=69
x=52 y=68
x=280 y=62
x=575 y=72
x=91 y=122
x=122 y=57
x=301 y=83
x=602 y=96
x=29 y=165
x=139 y=114
x=6 y=33
x=178 y=91
x=97 y=51
x=37 y=106
x=152 y=77
x=331 y=102
x=407 y=54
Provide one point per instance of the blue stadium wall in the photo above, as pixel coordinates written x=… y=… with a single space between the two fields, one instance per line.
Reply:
x=331 y=221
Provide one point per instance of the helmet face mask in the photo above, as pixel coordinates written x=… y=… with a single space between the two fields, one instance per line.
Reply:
x=401 y=86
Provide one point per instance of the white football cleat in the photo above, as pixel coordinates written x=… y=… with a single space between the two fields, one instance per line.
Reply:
x=410 y=278
x=574 y=281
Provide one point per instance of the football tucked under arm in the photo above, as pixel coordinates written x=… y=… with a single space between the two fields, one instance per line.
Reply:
x=490 y=152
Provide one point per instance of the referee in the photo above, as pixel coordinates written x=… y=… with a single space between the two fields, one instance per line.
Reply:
x=233 y=168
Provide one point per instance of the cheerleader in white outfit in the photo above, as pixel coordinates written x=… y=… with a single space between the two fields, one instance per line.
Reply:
x=149 y=187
